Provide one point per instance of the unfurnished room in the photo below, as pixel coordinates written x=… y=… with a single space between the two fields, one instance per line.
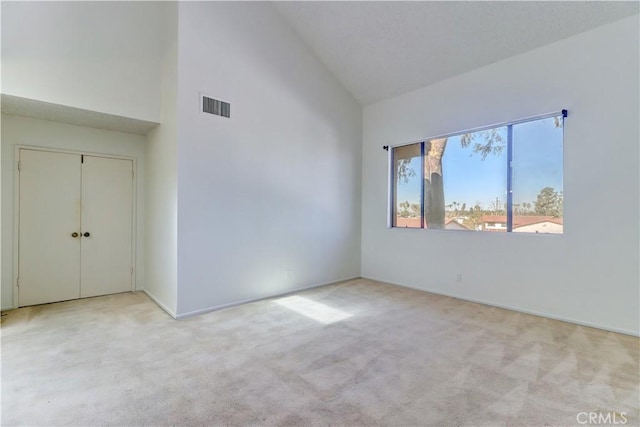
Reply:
x=319 y=213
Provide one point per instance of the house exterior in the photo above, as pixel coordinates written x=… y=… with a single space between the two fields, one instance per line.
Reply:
x=524 y=224
x=414 y=222
x=521 y=224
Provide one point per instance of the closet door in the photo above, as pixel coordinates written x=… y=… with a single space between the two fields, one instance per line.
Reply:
x=49 y=252
x=107 y=219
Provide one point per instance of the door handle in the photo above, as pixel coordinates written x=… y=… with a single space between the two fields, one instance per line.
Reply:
x=74 y=235
x=87 y=234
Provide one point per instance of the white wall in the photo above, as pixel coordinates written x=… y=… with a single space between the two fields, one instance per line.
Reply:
x=40 y=133
x=99 y=56
x=162 y=192
x=277 y=186
x=588 y=275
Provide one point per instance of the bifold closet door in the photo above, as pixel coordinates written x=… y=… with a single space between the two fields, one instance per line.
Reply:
x=107 y=219
x=49 y=227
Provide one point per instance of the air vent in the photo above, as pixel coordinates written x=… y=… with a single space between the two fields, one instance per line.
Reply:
x=215 y=106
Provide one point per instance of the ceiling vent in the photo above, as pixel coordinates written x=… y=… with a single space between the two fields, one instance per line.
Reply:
x=216 y=107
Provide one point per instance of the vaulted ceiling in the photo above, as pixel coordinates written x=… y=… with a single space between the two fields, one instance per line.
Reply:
x=379 y=50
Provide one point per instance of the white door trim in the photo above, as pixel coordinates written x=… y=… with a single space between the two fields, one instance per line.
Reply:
x=16 y=209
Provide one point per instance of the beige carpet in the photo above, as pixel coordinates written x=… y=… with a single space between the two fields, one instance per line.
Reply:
x=355 y=353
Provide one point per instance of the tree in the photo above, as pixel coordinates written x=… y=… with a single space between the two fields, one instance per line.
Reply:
x=496 y=206
x=549 y=202
x=493 y=142
x=415 y=209
x=517 y=208
x=433 y=184
x=434 y=207
x=404 y=209
x=404 y=171
x=474 y=219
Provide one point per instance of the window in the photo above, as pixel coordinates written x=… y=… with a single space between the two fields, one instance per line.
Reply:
x=505 y=178
x=407 y=175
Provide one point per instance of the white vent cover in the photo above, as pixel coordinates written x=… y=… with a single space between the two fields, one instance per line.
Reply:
x=215 y=106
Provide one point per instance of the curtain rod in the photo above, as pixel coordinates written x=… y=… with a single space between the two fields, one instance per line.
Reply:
x=563 y=113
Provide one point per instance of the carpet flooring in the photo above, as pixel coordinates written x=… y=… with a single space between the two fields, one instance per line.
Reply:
x=357 y=353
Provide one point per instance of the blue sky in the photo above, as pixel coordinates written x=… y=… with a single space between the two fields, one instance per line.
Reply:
x=537 y=163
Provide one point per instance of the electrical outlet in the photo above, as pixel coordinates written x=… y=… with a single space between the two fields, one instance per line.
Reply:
x=459 y=278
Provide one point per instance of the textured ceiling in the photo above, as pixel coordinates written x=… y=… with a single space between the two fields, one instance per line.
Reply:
x=378 y=50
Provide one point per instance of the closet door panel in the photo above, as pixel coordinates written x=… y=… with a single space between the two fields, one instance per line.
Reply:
x=49 y=206
x=107 y=219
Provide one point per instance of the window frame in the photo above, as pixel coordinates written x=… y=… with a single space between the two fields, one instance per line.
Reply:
x=391 y=208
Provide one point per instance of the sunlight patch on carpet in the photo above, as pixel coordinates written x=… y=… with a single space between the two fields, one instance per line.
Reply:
x=317 y=311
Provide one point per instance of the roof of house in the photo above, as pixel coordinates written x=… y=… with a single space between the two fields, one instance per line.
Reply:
x=456 y=222
x=408 y=222
x=523 y=220
x=415 y=223
x=518 y=220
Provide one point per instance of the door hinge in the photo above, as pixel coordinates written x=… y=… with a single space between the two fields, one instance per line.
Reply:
x=18 y=282
x=132 y=271
x=132 y=173
x=82 y=158
x=19 y=165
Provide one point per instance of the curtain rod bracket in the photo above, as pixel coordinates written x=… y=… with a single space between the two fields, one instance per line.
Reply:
x=385 y=147
x=564 y=113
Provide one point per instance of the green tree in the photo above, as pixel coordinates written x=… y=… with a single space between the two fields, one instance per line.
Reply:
x=404 y=171
x=415 y=210
x=404 y=209
x=549 y=202
x=475 y=217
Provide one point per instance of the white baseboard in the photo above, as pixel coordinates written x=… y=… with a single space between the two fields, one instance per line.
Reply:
x=161 y=305
x=517 y=309
x=279 y=294
x=6 y=308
